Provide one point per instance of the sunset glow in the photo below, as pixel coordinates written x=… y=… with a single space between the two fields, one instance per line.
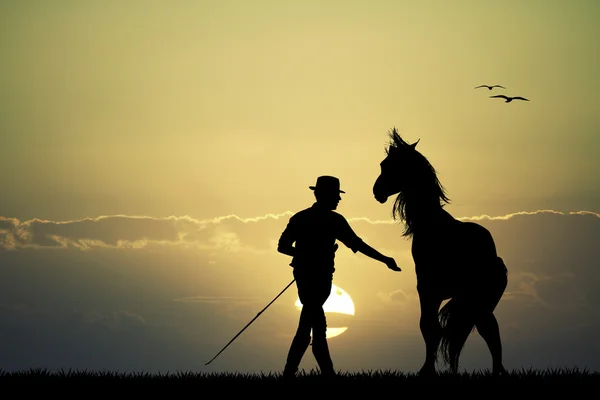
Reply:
x=152 y=153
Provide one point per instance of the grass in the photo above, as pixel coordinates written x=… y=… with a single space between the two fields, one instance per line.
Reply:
x=239 y=381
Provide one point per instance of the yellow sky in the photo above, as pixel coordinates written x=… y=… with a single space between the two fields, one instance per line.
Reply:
x=212 y=108
x=216 y=108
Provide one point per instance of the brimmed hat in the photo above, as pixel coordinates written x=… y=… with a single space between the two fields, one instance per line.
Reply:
x=327 y=184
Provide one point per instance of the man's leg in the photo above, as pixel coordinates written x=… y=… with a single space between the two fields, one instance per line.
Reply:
x=301 y=340
x=313 y=291
x=299 y=345
x=320 y=347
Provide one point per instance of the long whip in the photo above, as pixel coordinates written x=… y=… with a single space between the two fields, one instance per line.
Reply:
x=257 y=315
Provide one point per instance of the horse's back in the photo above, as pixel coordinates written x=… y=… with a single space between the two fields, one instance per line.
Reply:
x=464 y=257
x=478 y=241
x=454 y=242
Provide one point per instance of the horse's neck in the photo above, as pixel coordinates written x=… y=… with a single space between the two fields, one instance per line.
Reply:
x=430 y=216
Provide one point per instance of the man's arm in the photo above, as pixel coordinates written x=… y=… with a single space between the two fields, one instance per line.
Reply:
x=354 y=242
x=371 y=252
x=286 y=241
x=287 y=249
x=374 y=254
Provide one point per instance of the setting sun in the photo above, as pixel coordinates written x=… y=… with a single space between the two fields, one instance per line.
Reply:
x=340 y=302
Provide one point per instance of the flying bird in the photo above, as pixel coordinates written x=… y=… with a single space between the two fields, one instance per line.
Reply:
x=490 y=87
x=509 y=99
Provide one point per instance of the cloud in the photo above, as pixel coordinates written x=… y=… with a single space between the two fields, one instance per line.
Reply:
x=397 y=295
x=230 y=233
x=121 y=231
x=217 y=299
x=117 y=320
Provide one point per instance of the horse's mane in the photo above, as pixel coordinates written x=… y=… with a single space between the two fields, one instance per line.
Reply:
x=424 y=190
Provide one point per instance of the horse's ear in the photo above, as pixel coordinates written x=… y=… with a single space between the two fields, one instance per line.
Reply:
x=412 y=146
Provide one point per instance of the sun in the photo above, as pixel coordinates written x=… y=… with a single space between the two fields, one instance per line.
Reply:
x=339 y=302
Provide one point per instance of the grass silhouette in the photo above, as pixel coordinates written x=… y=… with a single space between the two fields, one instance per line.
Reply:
x=347 y=379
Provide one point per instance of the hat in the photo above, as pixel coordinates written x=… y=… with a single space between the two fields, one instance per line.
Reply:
x=327 y=183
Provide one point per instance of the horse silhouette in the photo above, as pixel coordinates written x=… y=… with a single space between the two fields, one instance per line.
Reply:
x=454 y=260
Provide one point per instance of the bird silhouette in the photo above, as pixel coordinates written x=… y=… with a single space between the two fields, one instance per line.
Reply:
x=509 y=99
x=489 y=87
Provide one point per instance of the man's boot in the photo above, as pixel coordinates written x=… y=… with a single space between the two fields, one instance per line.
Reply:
x=295 y=354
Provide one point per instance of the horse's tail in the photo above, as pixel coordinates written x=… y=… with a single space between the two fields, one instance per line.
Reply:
x=457 y=321
x=459 y=316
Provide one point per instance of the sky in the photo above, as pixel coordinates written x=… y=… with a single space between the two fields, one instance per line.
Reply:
x=152 y=152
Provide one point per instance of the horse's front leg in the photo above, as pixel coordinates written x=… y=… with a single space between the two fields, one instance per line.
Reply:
x=430 y=329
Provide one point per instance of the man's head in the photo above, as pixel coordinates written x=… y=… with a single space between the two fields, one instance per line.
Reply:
x=327 y=191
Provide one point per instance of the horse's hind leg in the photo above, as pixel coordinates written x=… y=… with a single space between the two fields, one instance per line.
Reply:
x=488 y=328
x=431 y=331
x=487 y=325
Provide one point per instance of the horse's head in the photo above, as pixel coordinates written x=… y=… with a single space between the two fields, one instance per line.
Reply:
x=395 y=168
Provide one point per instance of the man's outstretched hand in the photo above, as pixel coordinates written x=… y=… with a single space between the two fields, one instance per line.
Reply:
x=391 y=264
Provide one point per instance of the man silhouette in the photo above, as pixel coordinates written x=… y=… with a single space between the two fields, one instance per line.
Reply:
x=314 y=231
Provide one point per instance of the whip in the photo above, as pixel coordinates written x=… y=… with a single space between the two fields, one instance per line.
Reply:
x=257 y=315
